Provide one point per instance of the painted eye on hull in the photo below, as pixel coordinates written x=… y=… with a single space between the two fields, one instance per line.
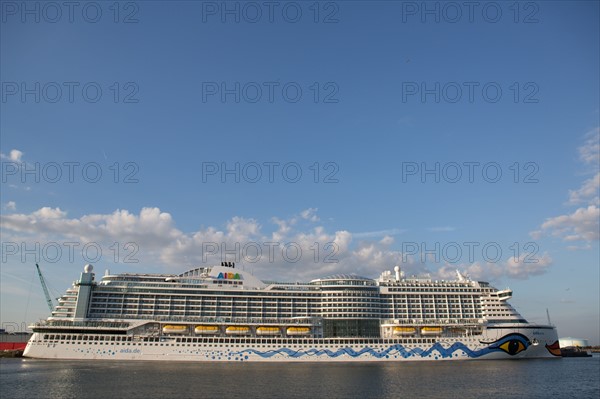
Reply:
x=512 y=347
x=512 y=344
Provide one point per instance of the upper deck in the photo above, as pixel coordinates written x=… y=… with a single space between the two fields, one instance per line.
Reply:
x=226 y=292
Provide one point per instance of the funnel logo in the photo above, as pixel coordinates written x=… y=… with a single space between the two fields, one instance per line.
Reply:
x=229 y=276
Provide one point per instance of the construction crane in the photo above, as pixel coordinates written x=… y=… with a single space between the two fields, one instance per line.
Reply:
x=48 y=299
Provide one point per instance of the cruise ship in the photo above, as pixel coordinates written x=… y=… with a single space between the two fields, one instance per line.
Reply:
x=224 y=314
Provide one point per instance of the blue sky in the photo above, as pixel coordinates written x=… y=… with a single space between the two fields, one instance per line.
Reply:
x=388 y=91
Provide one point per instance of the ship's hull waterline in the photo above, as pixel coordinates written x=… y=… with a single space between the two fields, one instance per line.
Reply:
x=489 y=346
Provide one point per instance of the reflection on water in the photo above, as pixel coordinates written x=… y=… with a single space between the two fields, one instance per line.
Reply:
x=559 y=378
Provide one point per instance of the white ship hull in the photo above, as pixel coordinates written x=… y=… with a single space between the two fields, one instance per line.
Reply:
x=496 y=343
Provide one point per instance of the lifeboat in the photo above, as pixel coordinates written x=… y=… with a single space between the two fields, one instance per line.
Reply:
x=206 y=329
x=404 y=330
x=431 y=331
x=268 y=331
x=298 y=330
x=237 y=330
x=174 y=329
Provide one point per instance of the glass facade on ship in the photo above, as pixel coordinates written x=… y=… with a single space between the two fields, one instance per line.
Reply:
x=212 y=301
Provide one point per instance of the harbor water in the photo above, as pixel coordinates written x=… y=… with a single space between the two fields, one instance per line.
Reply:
x=541 y=378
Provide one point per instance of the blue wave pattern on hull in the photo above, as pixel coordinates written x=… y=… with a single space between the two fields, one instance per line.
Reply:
x=398 y=350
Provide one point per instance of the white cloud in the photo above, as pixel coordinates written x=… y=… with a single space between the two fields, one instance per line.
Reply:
x=240 y=228
x=310 y=214
x=270 y=250
x=514 y=268
x=10 y=206
x=588 y=192
x=536 y=234
x=13 y=155
x=152 y=227
x=581 y=225
x=579 y=247
x=523 y=267
x=379 y=233
x=49 y=213
x=589 y=152
x=160 y=241
x=387 y=240
x=285 y=227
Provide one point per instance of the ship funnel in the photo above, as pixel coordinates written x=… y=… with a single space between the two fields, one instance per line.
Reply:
x=397 y=270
